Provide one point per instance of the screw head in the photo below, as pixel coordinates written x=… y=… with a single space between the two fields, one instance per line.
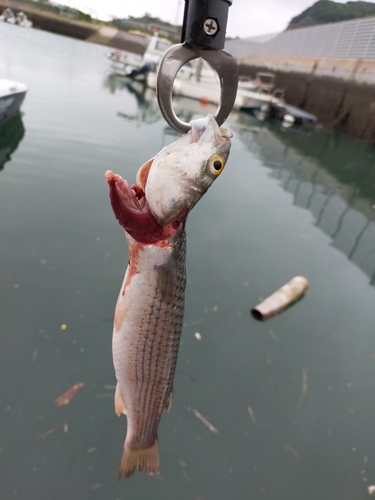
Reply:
x=210 y=26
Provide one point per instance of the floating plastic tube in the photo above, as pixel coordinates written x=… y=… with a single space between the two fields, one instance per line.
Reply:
x=281 y=299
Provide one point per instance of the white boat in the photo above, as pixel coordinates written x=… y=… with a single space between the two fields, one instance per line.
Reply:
x=8 y=16
x=126 y=64
x=12 y=95
x=21 y=20
x=197 y=80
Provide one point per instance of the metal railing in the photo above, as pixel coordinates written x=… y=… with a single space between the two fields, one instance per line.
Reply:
x=346 y=40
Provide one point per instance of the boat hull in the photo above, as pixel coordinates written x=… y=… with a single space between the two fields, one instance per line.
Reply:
x=121 y=68
x=10 y=105
x=12 y=95
x=209 y=92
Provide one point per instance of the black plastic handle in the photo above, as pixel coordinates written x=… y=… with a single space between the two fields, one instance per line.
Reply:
x=205 y=23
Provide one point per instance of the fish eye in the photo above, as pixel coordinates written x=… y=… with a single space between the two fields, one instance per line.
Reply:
x=215 y=165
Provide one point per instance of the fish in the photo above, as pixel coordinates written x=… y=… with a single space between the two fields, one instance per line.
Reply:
x=149 y=311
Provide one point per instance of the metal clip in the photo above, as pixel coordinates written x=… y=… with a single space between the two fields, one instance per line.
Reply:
x=170 y=64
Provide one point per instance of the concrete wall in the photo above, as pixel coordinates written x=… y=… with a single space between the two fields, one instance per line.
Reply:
x=341 y=92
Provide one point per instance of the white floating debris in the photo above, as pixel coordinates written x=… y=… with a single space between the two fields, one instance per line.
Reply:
x=215 y=308
x=197 y=335
x=205 y=421
x=252 y=414
x=280 y=300
x=371 y=489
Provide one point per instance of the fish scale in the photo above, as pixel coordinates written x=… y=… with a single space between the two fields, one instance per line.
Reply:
x=151 y=345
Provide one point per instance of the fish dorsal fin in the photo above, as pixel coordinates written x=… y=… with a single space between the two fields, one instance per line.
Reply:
x=119 y=402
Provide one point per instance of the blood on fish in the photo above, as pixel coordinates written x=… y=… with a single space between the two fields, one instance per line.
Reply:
x=69 y=394
x=134 y=215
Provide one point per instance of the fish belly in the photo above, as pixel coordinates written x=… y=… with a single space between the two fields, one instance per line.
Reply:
x=146 y=336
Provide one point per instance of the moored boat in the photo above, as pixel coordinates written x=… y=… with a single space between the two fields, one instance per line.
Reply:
x=8 y=16
x=131 y=65
x=23 y=21
x=197 y=80
x=12 y=95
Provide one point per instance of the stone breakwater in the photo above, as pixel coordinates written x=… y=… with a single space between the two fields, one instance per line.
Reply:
x=340 y=92
x=91 y=32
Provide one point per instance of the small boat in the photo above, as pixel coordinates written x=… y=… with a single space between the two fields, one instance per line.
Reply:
x=8 y=16
x=21 y=20
x=131 y=65
x=12 y=95
x=197 y=80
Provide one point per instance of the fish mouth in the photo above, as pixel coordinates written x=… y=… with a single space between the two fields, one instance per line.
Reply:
x=130 y=206
x=131 y=209
x=132 y=198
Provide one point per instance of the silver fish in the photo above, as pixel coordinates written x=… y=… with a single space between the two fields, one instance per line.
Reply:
x=149 y=310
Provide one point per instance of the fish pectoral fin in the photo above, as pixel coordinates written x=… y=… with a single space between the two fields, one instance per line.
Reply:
x=168 y=401
x=119 y=402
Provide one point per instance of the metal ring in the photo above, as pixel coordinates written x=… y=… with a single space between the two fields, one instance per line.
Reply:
x=170 y=64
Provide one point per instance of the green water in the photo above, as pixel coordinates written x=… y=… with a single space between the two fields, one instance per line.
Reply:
x=288 y=203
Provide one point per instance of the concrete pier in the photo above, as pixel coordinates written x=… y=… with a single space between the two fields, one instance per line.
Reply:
x=341 y=92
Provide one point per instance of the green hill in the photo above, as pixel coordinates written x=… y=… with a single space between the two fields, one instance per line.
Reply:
x=327 y=11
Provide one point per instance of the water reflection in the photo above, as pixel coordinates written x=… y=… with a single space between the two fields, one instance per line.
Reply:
x=11 y=134
x=322 y=170
x=147 y=107
x=331 y=179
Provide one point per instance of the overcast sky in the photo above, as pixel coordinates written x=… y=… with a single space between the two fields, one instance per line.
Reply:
x=246 y=17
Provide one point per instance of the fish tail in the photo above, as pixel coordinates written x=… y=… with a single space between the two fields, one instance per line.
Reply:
x=146 y=460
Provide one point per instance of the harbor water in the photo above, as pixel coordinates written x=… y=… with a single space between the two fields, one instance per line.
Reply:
x=290 y=402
